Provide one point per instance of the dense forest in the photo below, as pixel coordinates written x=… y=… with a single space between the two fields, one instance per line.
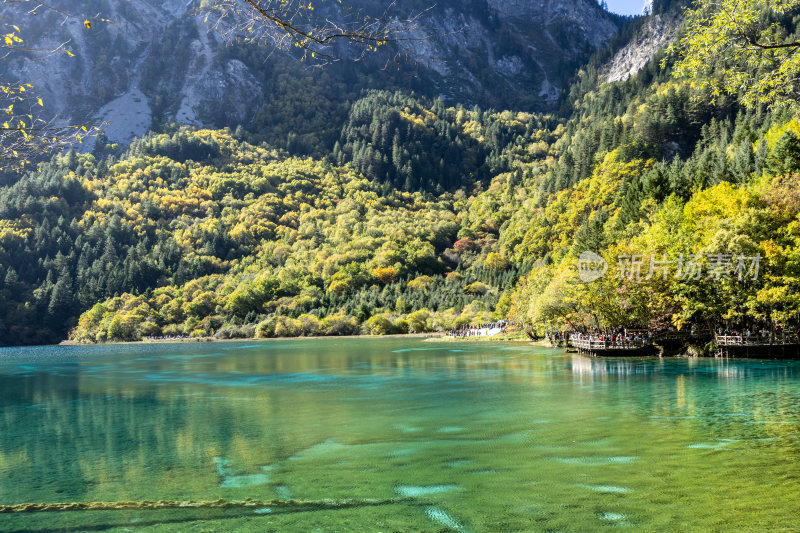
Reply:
x=415 y=214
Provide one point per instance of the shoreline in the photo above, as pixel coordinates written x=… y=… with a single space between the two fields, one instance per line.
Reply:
x=428 y=337
x=68 y=342
x=494 y=338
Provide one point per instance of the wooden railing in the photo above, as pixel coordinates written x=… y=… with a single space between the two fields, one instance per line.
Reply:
x=754 y=340
x=591 y=345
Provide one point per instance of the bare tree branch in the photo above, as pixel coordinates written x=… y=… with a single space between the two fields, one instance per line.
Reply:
x=25 y=136
x=297 y=24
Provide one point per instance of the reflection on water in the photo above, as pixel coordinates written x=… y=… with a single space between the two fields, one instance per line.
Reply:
x=478 y=437
x=601 y=367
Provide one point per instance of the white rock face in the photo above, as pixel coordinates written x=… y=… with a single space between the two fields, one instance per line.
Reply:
x=548 y=91
x=202 y=54
x=657 y=32
x=128 y=117
x=509 y=65
x=74 y=89
x=422 y=48
x=232 y=85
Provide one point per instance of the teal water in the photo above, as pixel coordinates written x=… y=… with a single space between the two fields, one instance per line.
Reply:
x=478 y=436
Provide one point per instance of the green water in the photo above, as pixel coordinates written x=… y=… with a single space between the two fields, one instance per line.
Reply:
x=483 y=437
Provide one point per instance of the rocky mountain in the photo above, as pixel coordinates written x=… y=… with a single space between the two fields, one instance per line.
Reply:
x=658 y=31
x=160 y=61
x=504 y=52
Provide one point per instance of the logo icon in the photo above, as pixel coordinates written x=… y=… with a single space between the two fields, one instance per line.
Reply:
x=591 y=267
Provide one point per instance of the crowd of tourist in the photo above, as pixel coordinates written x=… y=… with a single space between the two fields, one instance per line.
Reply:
x=166 y=337
x=619 y=339
x=756 y=335
x=611 y=337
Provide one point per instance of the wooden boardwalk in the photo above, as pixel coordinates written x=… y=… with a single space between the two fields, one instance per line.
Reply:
x=783 y=346
x=613 y=349
x=773 y=347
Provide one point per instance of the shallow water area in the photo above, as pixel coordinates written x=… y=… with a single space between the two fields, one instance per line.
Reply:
x=464 y=436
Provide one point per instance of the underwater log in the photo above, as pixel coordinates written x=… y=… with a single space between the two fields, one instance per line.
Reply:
x=147 y=505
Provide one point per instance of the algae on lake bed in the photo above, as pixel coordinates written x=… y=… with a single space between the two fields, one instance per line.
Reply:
x=489 y=439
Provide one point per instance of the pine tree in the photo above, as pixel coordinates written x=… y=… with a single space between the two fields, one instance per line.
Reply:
x=61 y=298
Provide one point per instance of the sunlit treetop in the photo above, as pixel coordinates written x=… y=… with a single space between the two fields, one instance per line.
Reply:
x=746 y=48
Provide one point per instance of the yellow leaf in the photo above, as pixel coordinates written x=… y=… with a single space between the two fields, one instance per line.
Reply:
x=70 y=54
x=87 y=24
x=39 y=101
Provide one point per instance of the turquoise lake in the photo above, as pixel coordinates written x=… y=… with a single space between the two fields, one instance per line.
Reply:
x=476 y=437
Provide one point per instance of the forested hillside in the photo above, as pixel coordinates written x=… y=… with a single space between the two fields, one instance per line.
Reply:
x=415 y=214
x=197 y=232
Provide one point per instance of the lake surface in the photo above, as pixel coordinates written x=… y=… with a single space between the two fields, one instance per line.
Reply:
x=478 y=436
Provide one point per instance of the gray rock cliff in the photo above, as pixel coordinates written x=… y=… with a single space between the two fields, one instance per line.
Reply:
x=159 y=61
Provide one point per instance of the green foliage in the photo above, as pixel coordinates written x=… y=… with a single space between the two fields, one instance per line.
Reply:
x=197 y=233
x=422 y=218
x=413 y=144
x=745 y=48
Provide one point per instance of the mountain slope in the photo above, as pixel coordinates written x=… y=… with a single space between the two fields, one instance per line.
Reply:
x=160 y=62
x=658 y=31
x=413 y=214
